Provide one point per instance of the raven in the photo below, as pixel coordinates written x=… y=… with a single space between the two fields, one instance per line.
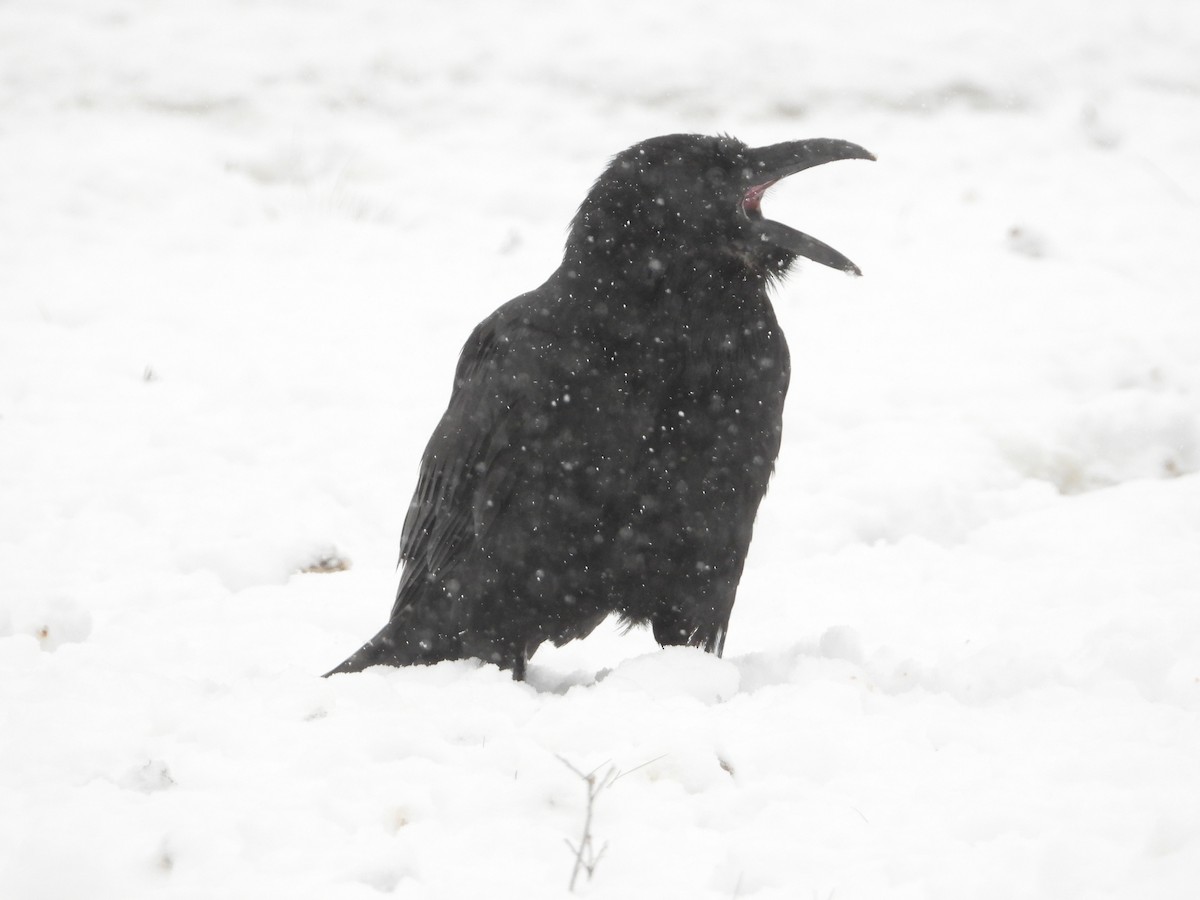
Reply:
x=611 y=434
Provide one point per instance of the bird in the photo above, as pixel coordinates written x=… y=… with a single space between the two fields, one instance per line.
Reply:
x=610 y=434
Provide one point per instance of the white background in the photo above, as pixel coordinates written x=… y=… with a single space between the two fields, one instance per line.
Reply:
x=240 y=246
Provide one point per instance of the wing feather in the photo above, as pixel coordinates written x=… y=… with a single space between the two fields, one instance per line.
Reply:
x=467 y=451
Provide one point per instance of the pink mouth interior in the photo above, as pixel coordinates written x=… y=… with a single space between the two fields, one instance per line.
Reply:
x=752 y=201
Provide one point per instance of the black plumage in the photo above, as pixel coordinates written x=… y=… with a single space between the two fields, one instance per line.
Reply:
x=611 y=434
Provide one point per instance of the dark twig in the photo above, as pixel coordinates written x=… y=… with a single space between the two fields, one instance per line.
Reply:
x=586 y=855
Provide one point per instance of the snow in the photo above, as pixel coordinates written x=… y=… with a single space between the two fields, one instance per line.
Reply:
x=240 y=246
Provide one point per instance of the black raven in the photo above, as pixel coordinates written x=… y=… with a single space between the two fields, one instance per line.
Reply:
x=611 y=433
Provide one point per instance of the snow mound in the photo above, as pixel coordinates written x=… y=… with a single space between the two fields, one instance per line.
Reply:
x=676 y=673
x=52 y=621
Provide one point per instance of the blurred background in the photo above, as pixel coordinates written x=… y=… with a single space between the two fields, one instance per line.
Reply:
x=241 y=244
x=288 y=215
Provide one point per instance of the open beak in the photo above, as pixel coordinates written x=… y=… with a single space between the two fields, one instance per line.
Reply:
x=767 y=165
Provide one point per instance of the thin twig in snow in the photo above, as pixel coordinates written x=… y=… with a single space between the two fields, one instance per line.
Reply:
x=586 y=856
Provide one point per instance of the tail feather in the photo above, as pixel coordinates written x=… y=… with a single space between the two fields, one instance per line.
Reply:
x=399 y=643
x=379 y=651
x=402 y=643
x=425 y=631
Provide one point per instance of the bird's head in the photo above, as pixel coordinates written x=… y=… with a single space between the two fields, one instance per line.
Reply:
x=683 y=195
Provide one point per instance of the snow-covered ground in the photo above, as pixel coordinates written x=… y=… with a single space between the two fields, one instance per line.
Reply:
x=241 y=242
